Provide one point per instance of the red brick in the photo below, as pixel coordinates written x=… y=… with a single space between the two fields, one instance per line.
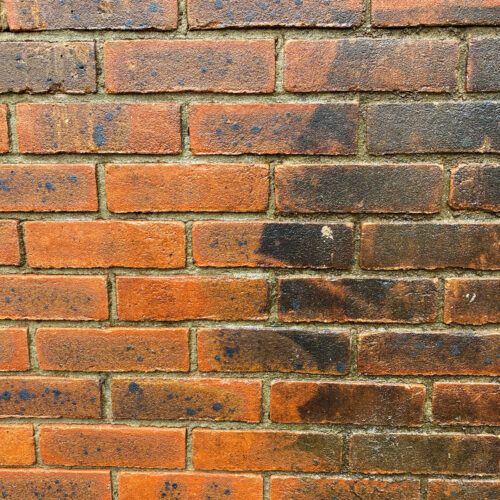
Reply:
x=4 y=129
x=21 y=484
x=278 y=128
x=43 y=297
x=430 y=127
x=39 y=15
x=113 y=349
x=9 y=243
x=306 y=488
x=429 y=353
x=483 y=64
x=233 y=66
x=17 y=445
x=88 y=244
x=273 y=349
x=359 y=188
x=187 y=399
x=144 y=128
x=273 y=244
x=472 y=301
x=359 y=300
x=425 y=454
x=188 y=485
x=466 y=404
x=475 y=187
x=174 y=298
x=371 y=64
x=359 y=403
x=409 y=245
x=50 y=397
x=187 y=188
x=434 y=12
x=439 y=489
x=264 y=450
x=112 y=446
x=14 y=355
x=39 y=67
x=48 y=188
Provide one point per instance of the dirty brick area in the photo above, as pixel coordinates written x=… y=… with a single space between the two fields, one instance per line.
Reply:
x=249 y=249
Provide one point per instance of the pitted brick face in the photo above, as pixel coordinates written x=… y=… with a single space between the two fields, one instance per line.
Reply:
x=249 y=249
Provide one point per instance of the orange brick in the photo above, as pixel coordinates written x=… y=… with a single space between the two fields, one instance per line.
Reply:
x=439 y=489
x=466 y=404
x=264 y=450
x=112 y=446
x=31 y=296
x=187 y=188
x=273 y=244
x=472 y=301
x=188 y=486
x=368 y=64
x=39 y=15
x=275 y=128
x=31 y=187
x=50 y=397
x=305 y=488
x=4 y=129
x=89 y=244
x=21 y=484
x=144 y=128
x=233 y=66
x=113 y=349
x=14 y=355
x=187 y=399
x=9 y=243
x=17 y=445
x=360 y=403
x=174 y=298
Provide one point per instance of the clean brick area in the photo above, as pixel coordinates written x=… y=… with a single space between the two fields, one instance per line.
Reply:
x=249 y=249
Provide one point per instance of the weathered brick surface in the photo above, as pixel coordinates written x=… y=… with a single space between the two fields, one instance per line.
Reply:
x=113 y=349
x=444 y=127
x=39 y=67
x=366 y=64
x=273 y=349
x=105 y=244
x=273 y=244
x=187 y=399
x=364 y=300
x=20 y=484
x=307 y=129
x=483 y=65
x=112 y=446
x=359 y=188
x=249 y=249
x=187 y=188
x=429 y=353
x=173 y=298
x=434 y=12
x=189 y=485
x=266 y=450
x=347 y=403
x=14 y=354
x=98 y=127
x=203 y=14
x=234 y=66
x=39 y=15
x=286 y=487
x=475 y=187
x=50 y=397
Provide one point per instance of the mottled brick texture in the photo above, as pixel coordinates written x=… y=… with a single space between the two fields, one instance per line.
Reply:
x=249 y=249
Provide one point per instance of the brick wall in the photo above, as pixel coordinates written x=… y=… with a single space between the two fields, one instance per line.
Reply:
x=249 y=249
